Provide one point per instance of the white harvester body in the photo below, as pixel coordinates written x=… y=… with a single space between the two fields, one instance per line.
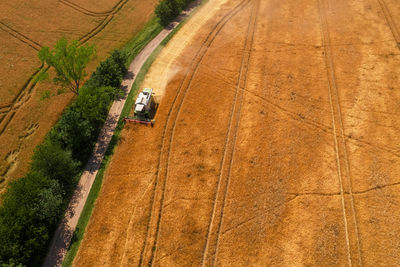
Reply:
x=143 y=101
x=144 y=108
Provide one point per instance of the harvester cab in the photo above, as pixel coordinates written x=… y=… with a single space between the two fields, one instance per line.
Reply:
x=144 y=108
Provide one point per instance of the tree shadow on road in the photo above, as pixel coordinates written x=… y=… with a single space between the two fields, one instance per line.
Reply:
x=94 y=163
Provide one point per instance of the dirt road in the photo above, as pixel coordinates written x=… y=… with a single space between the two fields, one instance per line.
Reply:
x=276 y=143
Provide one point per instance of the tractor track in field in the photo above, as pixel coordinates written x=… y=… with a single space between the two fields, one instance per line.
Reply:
x=84 y=10
x=104 y=22
x=340 y=145
x=25 y=93
x=325 y=128
x=390 y=22
x=21 y=37
x=2 y=106
x=149 y=247
x=20 y=99
x=85 y=38
x=221 y=192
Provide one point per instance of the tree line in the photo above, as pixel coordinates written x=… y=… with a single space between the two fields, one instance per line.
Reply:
x=33 y=205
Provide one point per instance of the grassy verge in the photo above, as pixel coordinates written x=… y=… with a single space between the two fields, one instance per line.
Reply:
x=150 y=30
x=94 y=192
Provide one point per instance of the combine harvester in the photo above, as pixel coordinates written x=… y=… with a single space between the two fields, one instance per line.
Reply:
x=144 y=108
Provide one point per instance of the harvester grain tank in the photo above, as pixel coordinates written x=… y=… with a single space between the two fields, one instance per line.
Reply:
x=144 y=108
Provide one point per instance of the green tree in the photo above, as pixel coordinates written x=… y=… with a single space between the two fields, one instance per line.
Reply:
x=94 y=103
x=110 y=72
x=119 y=58
x=75 y=133
x=11 y=263
x=30 y=210
x=107 y=74
x=54 y=162
x=167 y=10
x=69 y=61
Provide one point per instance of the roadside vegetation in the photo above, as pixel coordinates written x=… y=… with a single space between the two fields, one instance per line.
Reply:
x=33 y=205
x=69 y=61
x=168 y=10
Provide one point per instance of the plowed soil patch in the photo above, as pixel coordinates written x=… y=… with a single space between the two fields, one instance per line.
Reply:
x=276 y=143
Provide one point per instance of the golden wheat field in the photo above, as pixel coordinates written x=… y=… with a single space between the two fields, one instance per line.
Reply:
x=276 y=143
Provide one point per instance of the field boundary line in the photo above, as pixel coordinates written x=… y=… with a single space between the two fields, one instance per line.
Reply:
x=193 y=68
x=390 y=22
x=334 y=97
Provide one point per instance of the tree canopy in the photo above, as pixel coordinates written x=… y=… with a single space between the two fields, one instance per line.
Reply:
x=55 y=163
x=167 y=10
x=31 y=208
x=69 y=60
